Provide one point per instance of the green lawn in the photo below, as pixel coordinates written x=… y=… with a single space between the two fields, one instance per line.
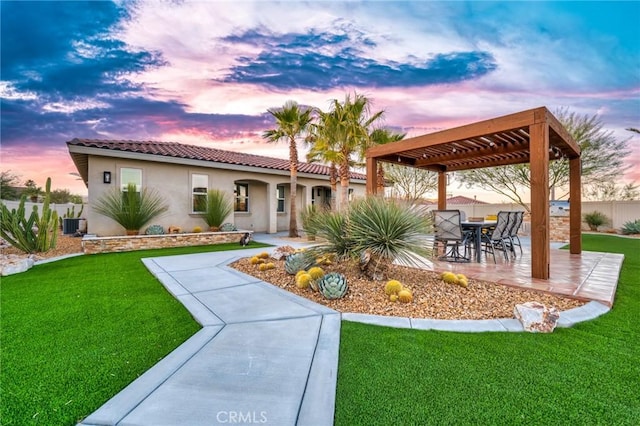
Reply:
x=588 y=374
x=75 y=332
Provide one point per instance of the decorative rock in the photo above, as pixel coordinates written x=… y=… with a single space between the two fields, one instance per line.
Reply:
x=12 y=264
x=281 y=252
x=536 y=317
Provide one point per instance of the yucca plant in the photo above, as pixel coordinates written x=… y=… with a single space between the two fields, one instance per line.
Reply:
x=332 y=228
x=376 y=230
x=384 y=230
x=217 y=208
x=130 y=208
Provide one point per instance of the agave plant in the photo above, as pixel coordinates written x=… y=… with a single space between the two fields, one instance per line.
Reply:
x=217 y=209
x=333 y=286
x=132 y=209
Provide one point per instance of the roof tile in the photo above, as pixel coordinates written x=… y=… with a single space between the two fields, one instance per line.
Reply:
x=195 y=152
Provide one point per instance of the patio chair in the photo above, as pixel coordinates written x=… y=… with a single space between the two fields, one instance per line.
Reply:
x=449 y=233
x=498 y=237
x=513 y=232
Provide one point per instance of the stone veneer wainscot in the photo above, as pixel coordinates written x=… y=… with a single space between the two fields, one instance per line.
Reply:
x=94 y=245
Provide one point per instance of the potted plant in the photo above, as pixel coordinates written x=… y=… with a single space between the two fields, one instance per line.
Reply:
x=595 y=219
x=132 y=209
x=217 y=209
x=32 y=191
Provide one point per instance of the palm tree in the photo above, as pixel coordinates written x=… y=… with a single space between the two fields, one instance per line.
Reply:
x=353 y=120
x=322 y=139
x=293 y=122
x=378 y=137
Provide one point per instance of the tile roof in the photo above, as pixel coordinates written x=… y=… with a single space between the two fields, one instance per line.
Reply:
x=195 y=152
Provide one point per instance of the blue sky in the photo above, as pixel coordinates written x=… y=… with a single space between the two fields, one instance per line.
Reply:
x=206 y=72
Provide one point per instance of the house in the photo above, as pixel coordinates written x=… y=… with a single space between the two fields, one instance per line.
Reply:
x=258 y=185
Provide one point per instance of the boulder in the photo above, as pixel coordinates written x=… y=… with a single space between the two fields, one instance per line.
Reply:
x=536 y=317
x=281 y=252
x=11 y=264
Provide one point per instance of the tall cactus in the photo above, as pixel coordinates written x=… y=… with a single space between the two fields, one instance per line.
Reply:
x=35 y=233
x=47 y=223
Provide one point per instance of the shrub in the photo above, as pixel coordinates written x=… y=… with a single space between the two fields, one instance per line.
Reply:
x=595 y=219
x=130 y=208
x=632 y=227
x=37 y=233
x=196 y=230
x=217 y=209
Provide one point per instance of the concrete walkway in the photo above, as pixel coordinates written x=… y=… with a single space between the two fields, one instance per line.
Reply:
x=264 y=355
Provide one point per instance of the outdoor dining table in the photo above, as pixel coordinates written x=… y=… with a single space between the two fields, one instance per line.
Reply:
x=476 y=228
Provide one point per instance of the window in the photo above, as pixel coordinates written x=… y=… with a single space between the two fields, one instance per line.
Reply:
x=280 y=197
x=199 y=188
x=128 y=176
x=350 y=195
x=242 y=197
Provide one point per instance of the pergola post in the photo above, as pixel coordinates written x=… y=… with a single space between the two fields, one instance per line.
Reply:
x=539 y=164
x=442 y=190
x=372 y=175
x=575 y=206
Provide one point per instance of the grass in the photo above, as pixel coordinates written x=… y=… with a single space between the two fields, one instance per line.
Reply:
x=76 y=331
x=587 y=374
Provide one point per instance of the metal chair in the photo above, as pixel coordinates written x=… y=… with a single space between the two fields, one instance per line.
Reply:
x=448 y=231
x=513 y=232
x=497 y=239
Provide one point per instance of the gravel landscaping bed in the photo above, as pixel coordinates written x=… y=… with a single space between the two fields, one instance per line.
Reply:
x=432 y=298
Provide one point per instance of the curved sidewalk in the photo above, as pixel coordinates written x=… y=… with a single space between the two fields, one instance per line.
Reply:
x=264 y=355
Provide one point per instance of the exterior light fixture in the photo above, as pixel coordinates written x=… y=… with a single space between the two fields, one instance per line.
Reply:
x=492 y=143
x=454 y=150
x=106 y=177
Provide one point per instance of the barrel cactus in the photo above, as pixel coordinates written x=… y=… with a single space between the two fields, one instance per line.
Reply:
x=303 y=280
x=405 y=296
x=392 y=287
x=449 y=278
x=333 y=285
x=316 y=272
x=296 y=262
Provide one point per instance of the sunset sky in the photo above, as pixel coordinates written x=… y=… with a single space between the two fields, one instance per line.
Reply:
x=206 y=72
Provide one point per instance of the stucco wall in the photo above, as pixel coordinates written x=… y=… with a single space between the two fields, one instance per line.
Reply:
x=173 y=181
